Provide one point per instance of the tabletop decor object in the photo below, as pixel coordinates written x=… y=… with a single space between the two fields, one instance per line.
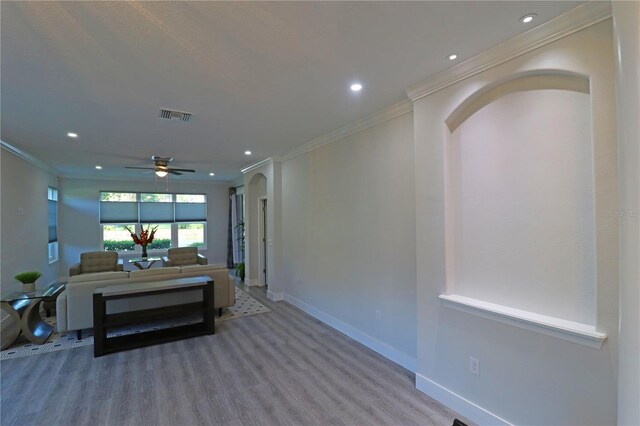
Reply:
x=144 y=239
x=28 y=280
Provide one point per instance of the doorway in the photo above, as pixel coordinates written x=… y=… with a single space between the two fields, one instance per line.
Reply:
x=262 y=263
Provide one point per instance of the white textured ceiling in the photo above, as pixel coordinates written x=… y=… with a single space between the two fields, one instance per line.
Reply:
x=267 y=77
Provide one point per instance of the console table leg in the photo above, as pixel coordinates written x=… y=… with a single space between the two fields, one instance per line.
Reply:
x=99 y=332
x=208 y=316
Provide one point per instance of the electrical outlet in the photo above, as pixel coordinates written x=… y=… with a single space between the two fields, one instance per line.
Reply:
x=378 y=316
x=20 y=211
x=299 y=281
x=474 y=366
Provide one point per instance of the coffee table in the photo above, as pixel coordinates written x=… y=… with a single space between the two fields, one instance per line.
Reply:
x=140 y=263
x=24 y=309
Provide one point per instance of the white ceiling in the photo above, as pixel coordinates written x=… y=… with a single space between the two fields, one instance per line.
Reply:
x=267 y=77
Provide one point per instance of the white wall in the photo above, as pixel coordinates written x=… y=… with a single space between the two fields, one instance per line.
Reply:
x=24 y=240
x=348 y=234
x=79 y=214
x=522 y=206
x=626 y=18
x=525 y=377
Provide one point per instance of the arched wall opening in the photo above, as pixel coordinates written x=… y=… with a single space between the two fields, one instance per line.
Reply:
x=520 y=197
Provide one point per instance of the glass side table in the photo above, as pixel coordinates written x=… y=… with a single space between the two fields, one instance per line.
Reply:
x=144 y=263
x=24 y=309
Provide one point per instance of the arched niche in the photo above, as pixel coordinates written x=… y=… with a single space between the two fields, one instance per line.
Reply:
x=520 y=196
x=529 y=80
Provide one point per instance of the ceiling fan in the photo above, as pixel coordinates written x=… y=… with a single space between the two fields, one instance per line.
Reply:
x=161 y=167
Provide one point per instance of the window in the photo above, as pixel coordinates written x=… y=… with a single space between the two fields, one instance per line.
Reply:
x=181 y=219
x=162 y=239
x=52 y=220
x=191 y=234
x=117 y=238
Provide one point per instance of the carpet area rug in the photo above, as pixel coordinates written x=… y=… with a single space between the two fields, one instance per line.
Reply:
x=245 y=306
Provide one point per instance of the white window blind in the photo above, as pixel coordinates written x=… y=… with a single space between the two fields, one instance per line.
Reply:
x=152 y=208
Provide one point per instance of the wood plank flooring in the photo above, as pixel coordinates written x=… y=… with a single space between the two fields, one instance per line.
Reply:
x=279 y=368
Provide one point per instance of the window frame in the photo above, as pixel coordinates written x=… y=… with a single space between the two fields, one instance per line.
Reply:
x=138 y=225
x=52 y=246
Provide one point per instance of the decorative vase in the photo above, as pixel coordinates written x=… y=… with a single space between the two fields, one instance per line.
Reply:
x=28 y=287
x=144 y=252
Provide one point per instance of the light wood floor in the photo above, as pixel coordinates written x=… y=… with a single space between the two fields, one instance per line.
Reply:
x=279 y=368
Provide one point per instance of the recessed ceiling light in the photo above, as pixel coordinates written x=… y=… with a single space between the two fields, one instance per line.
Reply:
x=72 y=135
x=453 y=57
x=528 y=18
x=247 y=153
x=99 y=167
x=212 y=174
x=356 y=87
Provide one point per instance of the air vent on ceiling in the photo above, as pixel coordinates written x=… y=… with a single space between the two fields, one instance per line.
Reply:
x=167 y=114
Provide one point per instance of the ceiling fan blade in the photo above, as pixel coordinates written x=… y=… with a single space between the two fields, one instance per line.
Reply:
x=140 y=168
x=182 y=170
x=173 y=172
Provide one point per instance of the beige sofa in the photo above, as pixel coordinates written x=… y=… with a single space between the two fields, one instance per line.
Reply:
x=74 y=307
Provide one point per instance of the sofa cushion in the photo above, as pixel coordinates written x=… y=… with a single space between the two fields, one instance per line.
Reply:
x=191 y=269
x=98 y=261
x=153 y=272
x=98 y=276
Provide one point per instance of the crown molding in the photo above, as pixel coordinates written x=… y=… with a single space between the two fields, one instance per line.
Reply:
x=566 y=24
x=259 y=164
x=28 y=158
x=374 y=119
x=140 y=179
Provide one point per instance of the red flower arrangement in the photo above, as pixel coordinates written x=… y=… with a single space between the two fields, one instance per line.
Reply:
x=145 y=238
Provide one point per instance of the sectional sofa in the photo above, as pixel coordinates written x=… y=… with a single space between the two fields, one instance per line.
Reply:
x=74 y=307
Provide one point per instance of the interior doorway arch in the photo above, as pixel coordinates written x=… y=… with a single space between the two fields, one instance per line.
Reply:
x=257 y=232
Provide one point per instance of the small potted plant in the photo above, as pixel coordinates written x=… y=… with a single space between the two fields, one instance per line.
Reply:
x=28 y=280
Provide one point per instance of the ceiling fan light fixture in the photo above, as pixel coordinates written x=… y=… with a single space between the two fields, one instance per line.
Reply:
x=161 y=173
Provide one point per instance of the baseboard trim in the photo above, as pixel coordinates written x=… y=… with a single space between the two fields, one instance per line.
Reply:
x=372 y=343
x=251 y=282
x=275 y=296
x=457 y=403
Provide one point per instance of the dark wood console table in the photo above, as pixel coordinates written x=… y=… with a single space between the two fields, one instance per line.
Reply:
x=103 y=321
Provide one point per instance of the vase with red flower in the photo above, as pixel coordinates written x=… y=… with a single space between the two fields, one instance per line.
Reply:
x=144 y=239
